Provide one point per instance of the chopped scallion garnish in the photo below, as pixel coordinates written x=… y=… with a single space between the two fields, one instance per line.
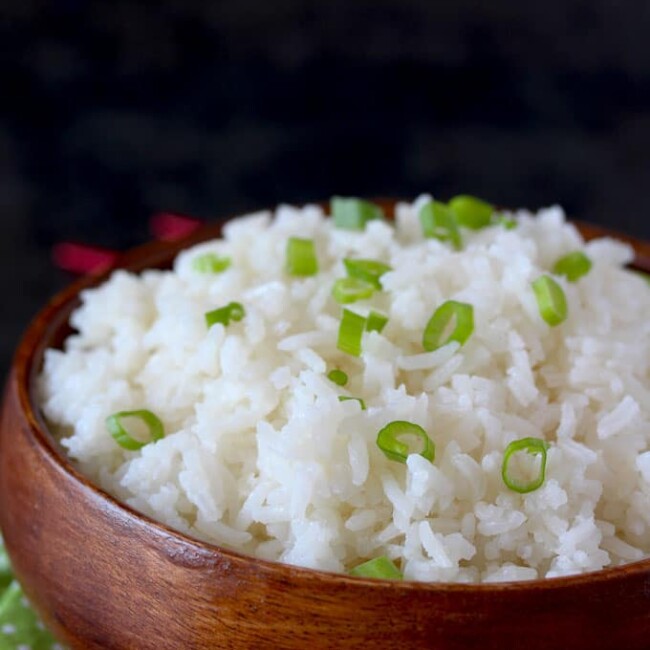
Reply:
x=233 y=311
x=572 y=266
x=367 y=270
x=301 y=257
x=337 y=376
x=388 y=440
x=347 y=290
x=551 y=300
x=350 y=333
x=439 y=222
x=533 y=446
x=471 y=212
x=122 y=436
x=347 y=398
x=353 y=213
x=210 y=263
x=376 y=321
x=507 y=223
x=380 y=568
x=452 y=321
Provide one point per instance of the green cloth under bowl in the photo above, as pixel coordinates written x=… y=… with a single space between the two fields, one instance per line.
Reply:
x=20 y=627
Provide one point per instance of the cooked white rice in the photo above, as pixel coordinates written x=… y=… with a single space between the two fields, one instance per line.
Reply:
x=261 y=456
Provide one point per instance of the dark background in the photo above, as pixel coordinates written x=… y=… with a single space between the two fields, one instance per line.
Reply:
x=111 y=111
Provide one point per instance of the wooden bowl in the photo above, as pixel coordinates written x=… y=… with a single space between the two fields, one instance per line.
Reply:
x=103 y=576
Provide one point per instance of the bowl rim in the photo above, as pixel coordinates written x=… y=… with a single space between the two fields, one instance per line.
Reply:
x=54 y=316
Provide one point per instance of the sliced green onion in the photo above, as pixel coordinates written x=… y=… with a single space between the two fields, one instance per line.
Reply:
x=210 y=263
x=507 y=223
x=347 y=398
x=439 y=222
x=367 y=270
x=551 y=300
x=350 y=333
x=338 y=377
x=376 y=321
x=122 y=436
x=531 y=446
x=353 y=213
x=301 y=257
x=573 y=266
x=232 y=311
x=471 y=212
x=381 y=568
x=388 y=440
x=452 y=321
x=347 y=290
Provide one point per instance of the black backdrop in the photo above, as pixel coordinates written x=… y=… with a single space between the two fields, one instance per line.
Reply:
x=114 y=110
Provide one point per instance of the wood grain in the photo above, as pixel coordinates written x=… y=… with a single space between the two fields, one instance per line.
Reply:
x=104 y=577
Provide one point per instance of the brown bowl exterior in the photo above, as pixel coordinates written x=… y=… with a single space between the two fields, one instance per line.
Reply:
x=105 y=577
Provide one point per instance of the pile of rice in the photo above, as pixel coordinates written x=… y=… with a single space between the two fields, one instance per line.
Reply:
x=262 y=457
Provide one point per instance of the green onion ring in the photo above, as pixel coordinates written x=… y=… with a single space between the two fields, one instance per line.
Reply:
x=551 y=300
x=210 y=263
x=380 y=568
x=124 y=438
x=233 y=311
x=394 y=449
x=350 y=333
x=337 y=376
x=352 y=213
x=347 y=290
x=439 y=222
x=367 y=270
x=301 y=257
x=376 y=321
x=531 y=446
x=471 y=212
x=460 y=315
x=573 y=266
x=347 y=398
x=507 y=223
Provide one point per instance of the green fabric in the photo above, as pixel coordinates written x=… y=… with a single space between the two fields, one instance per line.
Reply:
x=20 y=627
x=6 y=576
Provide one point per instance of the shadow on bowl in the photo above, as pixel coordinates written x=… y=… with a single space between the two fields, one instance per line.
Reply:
x=103 y=576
